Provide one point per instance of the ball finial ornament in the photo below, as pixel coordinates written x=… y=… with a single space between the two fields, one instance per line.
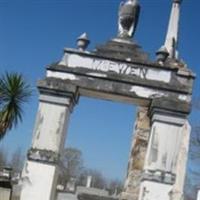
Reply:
x=162 y=54
x=83 y=42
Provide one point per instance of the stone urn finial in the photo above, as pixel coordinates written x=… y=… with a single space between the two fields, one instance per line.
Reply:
x=128 y=18
x=177 y=1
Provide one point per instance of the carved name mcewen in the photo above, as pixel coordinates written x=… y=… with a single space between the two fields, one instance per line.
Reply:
x=103 y=65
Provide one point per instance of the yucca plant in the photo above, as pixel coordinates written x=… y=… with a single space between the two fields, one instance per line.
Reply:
x=14 y=92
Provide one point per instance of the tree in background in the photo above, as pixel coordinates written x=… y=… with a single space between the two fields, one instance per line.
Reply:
x=193 y=174
x=14 y=92
x=98 y=180
x=115 y=186
x=71 y=164
x=72 y=167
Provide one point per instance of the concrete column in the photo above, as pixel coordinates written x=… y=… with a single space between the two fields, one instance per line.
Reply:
x=165 y=162
x=137 y=155
x=39 y=177
x=177 y=192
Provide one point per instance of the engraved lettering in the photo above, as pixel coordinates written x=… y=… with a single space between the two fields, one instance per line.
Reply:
x=96 y=64
x=135 y=71
x=143 y=73
x=111 y=66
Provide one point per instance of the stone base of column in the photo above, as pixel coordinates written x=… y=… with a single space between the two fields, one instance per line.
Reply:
x=132 y=186
x=137 y=156
x=155 y=191
x=39 y=181
x=128 y=196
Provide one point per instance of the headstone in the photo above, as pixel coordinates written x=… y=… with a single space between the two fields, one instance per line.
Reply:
x=89 y=181
x=198 y=195
x=5 y=184
x=71 y=185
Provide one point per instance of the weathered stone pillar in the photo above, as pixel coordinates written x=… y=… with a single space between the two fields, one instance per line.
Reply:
x=164 y=169
x=41 y=169
x=178 y=187
x=137 y=155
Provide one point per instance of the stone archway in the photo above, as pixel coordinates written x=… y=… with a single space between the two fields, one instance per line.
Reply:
x=119 y=71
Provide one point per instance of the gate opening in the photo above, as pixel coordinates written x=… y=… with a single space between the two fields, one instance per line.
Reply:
x=102 y=131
